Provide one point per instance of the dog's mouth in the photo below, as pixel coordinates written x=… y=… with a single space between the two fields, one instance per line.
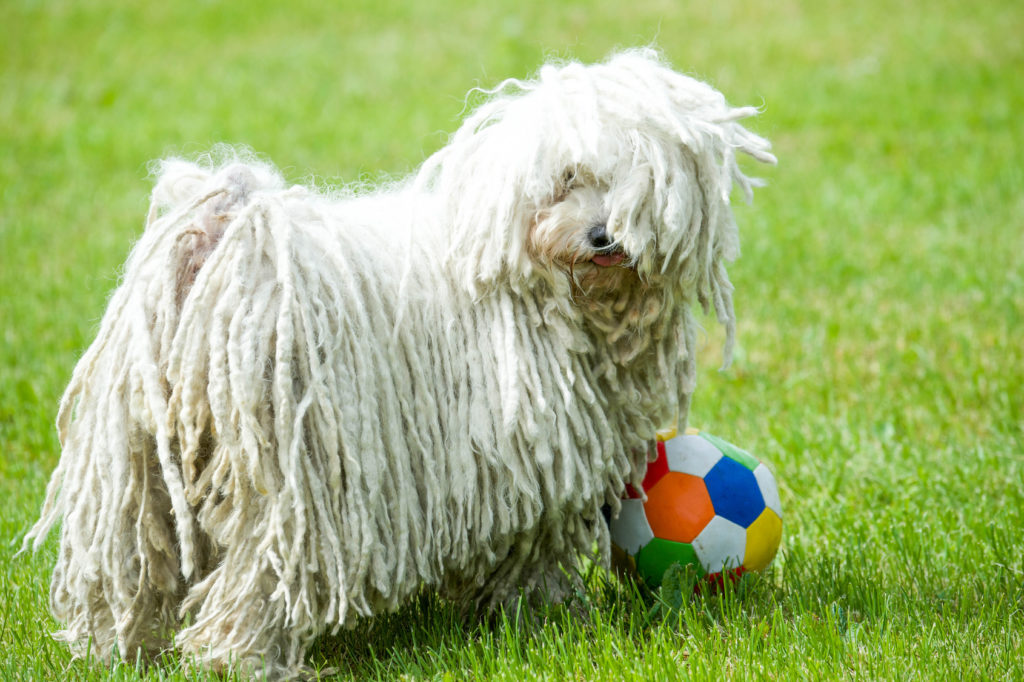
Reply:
x=606 y=252
x=608 y=259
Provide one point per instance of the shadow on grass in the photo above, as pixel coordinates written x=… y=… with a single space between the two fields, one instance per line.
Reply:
x=430 y=637
x=403 y=642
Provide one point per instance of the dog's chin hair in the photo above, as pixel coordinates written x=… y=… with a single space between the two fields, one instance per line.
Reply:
x=592 y=285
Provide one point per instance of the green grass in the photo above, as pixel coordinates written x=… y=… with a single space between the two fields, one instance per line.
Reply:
x=880 y=295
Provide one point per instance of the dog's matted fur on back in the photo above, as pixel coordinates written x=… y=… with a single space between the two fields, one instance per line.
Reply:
x=302 y=407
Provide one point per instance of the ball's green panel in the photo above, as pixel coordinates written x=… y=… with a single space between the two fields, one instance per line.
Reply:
x=656 y=556
x=731 y=451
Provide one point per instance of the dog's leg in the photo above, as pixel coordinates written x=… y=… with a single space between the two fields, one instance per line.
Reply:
x=239 y=623
x=117 y=580
x=531 y=577
x=245 y=369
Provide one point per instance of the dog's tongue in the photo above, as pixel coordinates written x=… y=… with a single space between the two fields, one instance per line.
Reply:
x=606 y=260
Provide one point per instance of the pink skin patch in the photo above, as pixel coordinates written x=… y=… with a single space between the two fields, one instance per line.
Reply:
x=606 y=260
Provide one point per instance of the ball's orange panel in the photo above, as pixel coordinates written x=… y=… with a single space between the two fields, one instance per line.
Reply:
x=678 y=507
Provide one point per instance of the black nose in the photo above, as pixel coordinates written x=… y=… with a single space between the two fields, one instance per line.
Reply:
x=598 y=237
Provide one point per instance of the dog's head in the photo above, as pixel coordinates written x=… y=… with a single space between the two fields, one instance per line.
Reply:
x=605 y=176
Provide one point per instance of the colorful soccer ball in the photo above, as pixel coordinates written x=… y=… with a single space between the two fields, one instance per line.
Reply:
x=709 y=504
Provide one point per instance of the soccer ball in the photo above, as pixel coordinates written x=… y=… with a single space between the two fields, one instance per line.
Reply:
x=709 y=504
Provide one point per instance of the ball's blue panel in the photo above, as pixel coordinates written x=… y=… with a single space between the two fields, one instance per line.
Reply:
x=734 y=492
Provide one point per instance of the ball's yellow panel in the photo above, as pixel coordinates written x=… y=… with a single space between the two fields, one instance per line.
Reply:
x=763 y=538
x=667 y=433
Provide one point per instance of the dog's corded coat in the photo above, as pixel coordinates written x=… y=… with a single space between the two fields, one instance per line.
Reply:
x=301 y=406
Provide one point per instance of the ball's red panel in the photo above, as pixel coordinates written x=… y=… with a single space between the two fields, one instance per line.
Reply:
x=678 y=507
x=717 y=580
x=656 y=469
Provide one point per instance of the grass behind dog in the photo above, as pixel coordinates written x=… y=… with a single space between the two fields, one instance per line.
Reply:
x=880 y=299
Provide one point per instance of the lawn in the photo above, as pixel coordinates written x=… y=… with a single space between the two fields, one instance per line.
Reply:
x=880 y=295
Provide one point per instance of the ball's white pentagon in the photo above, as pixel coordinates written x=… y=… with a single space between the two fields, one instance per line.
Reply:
x=630 y=530
x=722 y=543
x=691 y=455
x=769 y=488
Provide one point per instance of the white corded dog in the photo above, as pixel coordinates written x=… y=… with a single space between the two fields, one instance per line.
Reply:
x=303 y=407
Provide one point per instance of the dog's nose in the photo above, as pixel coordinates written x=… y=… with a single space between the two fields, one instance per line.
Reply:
x=598 y=237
